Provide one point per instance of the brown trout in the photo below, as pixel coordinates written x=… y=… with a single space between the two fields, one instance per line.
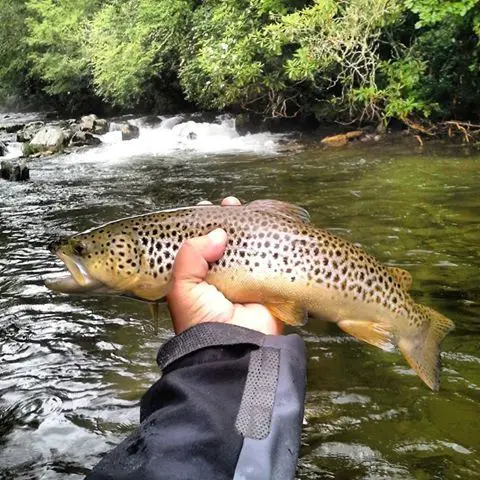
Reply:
x=274 y=256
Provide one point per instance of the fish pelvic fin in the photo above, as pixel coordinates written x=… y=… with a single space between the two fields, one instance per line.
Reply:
x=288 y=312
x=423 y=352
x=374 y=333
x=282 y=208
x=403 y=277
x=155 y=312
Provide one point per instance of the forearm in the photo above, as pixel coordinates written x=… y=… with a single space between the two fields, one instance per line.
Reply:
x=229 y=405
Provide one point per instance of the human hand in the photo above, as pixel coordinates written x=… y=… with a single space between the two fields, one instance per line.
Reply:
x=191 y=300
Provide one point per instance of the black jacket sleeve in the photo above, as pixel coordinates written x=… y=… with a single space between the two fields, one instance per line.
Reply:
x=228 y=406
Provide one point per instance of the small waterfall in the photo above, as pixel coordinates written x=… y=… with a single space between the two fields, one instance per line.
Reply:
x=175 y=136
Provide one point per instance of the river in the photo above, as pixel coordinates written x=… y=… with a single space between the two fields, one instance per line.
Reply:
x=72 y=369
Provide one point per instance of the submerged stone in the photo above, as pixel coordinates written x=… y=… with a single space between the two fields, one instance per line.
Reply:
x=129 y=131
x=81 y=138
x=15 y=172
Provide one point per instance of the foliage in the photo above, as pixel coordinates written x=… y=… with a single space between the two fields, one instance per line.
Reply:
x=134 y=42
x=57 y=33
x=13 y=65
x=350 y=60
x=224 y=64
x=432 y=12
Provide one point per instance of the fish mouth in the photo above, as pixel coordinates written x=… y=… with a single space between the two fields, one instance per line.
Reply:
x=76 y=280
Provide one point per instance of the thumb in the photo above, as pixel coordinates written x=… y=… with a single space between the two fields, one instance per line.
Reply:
x=191 y=263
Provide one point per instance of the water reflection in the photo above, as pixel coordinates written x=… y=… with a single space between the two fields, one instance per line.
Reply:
x=73 y=369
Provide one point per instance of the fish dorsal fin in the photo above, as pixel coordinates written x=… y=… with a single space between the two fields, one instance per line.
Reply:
x=282 y=208
x=288 y=312
x=378 y=334
x=402 y=277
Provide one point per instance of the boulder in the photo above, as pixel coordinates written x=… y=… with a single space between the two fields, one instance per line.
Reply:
x=48 y=138
x=81 y=138
x=101 y=126
x=129 y=131
x=15 y=172
x=29 y=131
x=87 y=123
x=91 y=123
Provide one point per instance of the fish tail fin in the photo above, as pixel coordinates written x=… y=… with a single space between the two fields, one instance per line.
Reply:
x=422 y=352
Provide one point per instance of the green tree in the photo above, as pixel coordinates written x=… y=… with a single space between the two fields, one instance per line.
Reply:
x=13 y=49
x=134 y=47
x=57 y=38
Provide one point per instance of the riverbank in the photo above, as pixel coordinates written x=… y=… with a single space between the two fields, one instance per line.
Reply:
x=40 y=134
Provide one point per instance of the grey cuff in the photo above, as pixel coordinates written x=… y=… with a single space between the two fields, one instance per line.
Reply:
x=272 y=442
x=206 y=335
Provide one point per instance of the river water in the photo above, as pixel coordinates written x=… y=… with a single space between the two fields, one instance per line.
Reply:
x=72 y=369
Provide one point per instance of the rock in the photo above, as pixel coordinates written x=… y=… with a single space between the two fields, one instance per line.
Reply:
x=101 y=126
x=81 y=138
x=3 y=149
x=93 y=124
x=15 y=172
x=29 y=131
x=48 y=138
x=371 y=137
x=129 y=131
x=341 y=139
x=11 y=127
x=354 y=134
x=87 y=122
x=335 y=140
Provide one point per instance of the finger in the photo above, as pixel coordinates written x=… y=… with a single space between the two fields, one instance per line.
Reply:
x=191 y=263
x=230 y=201
x=204 y=202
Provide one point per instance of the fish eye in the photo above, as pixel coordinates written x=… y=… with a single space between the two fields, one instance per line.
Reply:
x=79 y=249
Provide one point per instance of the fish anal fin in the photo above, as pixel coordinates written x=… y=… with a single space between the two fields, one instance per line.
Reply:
x=403 y=277
x=290 y=313
x=282 y=208
x=422 y=351
x=378 y=334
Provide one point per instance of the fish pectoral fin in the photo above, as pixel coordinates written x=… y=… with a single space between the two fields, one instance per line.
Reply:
x=403 y=277
x=127 y=284
x=374 y=333
x=288 y=312
x=422 y=351
x=283 y=208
